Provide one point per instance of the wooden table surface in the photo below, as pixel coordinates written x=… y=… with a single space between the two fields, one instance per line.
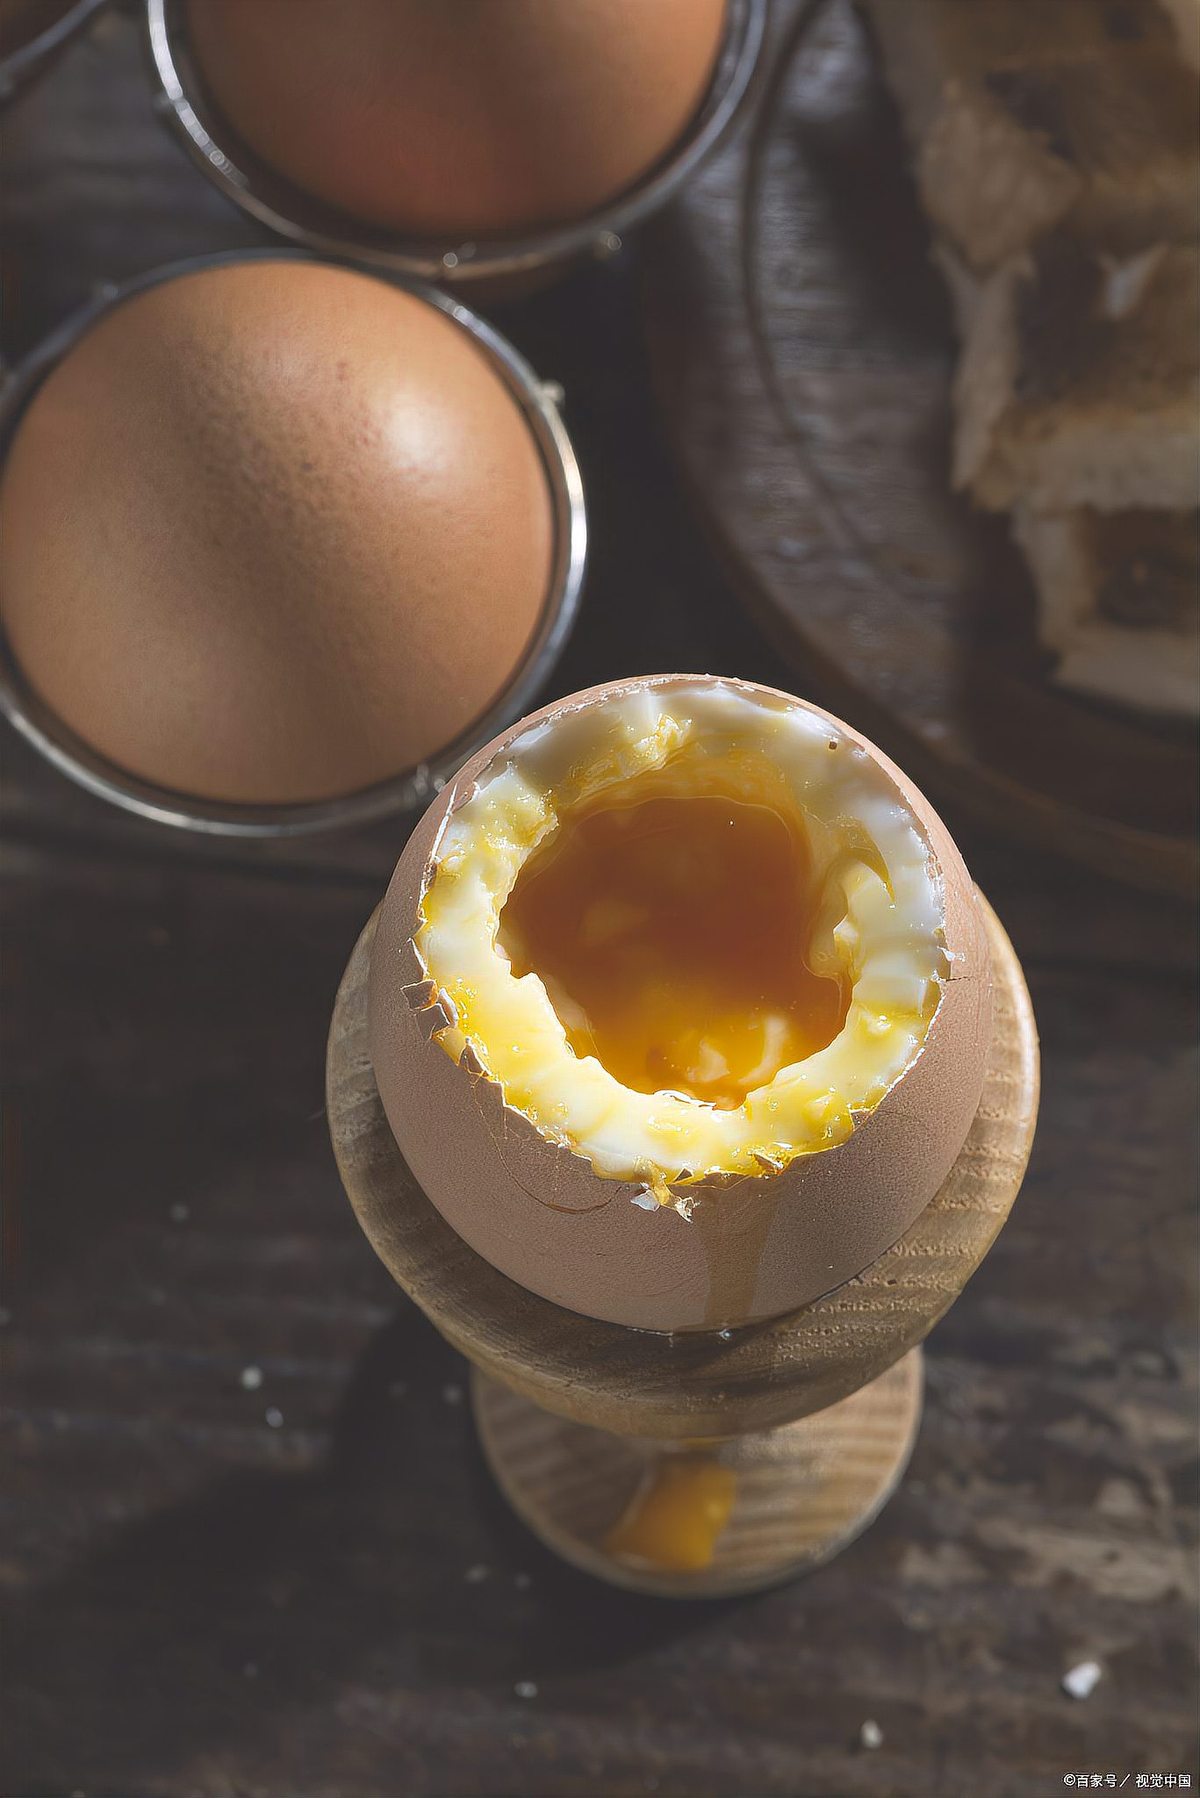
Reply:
x=306 y=1587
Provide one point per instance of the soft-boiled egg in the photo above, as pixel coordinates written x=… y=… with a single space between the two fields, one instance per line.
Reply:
x=273 y=531
x=464 y=118
x=680 y=1001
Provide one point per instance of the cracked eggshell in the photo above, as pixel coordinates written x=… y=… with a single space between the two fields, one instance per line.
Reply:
x=751 y=1250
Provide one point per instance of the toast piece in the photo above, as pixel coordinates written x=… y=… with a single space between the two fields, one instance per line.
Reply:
x=1022 y=116
x=927 y=43
x=1119 y=599
x=1079 y=380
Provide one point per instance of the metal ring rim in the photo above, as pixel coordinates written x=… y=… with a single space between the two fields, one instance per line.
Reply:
x=444 y=259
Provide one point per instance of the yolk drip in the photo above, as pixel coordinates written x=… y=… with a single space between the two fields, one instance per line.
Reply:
x=671 y=933
x=676 y=1515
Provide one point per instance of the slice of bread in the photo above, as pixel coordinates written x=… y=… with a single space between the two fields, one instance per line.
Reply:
x=1079 y=380
x=1119 y=600
x=1022 y=116
x=927 y=43
x=1054 y=145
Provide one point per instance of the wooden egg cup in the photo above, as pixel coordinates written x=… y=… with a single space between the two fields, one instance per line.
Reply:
x=815 y=1413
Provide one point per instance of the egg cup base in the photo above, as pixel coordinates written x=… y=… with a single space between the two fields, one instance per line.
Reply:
x=799 y=1494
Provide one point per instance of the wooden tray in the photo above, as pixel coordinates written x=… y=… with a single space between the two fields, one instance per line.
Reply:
x=802 y=350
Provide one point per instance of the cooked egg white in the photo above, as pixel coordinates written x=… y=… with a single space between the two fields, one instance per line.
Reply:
x=877 y=921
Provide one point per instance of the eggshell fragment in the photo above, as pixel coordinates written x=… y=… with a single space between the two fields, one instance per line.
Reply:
x=752 y=1249
x=465 y=117
x=273 y=531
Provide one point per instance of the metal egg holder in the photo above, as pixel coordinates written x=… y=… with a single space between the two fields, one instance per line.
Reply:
x=500 y=263
x=411 y=790
x=810 y=1418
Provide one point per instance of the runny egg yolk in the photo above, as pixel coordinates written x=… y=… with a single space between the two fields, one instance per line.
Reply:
x=687 y=934
x=671 y=932
x=676 y=1516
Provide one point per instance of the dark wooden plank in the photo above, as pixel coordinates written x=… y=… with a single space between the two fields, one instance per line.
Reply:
x=201 y=1604
x=161 y=1537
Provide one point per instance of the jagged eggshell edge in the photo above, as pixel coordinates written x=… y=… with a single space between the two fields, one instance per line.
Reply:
x=753 y=1249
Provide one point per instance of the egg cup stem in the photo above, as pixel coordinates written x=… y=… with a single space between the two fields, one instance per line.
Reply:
x=711 y=1520
x=741 y=1458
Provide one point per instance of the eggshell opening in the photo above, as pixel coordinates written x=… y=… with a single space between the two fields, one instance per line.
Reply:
x=740 y=1249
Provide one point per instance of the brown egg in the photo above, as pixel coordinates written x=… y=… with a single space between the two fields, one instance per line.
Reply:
x=273 y=531
x=464 y=118
x=534 y=1154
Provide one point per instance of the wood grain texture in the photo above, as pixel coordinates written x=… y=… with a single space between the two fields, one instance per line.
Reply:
x=198 y=1603
x=803 y=353
x=802 y=1492
x=643 y=1384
